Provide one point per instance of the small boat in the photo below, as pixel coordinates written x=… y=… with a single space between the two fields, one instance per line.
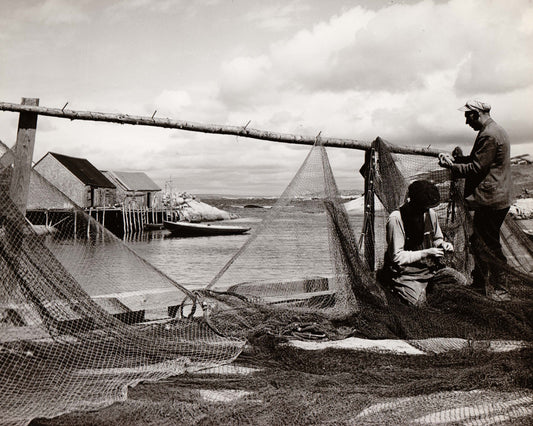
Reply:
x=188 y=229
x=153 y=226
x=255 y=206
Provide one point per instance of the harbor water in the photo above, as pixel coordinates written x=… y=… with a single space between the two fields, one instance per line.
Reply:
x=193 y=262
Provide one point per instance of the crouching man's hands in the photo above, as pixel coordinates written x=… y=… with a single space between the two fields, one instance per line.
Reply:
x=445 y=160
x=434 y=252
x=446 y=246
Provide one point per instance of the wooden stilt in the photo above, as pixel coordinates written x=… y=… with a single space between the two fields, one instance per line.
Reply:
x=124 y=219
x=75 y=223
x=134 y=220
x=89 y=222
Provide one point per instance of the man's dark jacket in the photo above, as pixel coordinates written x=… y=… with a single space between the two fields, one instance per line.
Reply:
x=487 y=170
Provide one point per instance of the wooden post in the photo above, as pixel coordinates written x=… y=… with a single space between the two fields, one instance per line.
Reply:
x=89 y=222
x=75 y=223
x=124 y=218
x=126 y=213
x=134 y=214
x=242 y=131
x=20 y=180
x=368 y=223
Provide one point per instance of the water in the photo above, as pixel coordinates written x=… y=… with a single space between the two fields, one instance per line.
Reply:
x=282 y=253
x=296 y=247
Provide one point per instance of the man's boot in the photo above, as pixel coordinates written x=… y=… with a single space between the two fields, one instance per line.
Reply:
x=498 y=283
x=479 y=281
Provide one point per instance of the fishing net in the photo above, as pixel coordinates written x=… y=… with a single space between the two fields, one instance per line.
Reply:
x=454 y=309
x=313 y=273
x=296 y=293
x=454 y=218
x=74 y=318
x=302 y=261
x=78 y=315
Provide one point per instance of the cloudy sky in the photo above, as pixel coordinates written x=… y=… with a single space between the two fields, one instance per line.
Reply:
x=348 y=69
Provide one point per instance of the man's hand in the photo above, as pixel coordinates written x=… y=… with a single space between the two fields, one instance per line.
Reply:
x=434 y=252
x=457 y=152
x=446 y=246
x=445 y=160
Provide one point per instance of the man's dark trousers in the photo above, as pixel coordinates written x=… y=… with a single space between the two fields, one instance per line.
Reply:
x=487 y=248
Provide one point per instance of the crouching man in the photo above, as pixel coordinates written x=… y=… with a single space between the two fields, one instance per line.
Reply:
x=415 y=246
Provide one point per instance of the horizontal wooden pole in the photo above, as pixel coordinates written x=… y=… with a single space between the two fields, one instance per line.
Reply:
x=242 y=131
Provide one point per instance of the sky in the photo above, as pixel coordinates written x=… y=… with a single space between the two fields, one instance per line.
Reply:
x=345 y=69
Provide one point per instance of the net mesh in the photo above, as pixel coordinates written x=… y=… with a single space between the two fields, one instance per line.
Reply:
x=394 y=173
x=309 y=265
x=74 y=332
x=312 y=267
x=60 y=348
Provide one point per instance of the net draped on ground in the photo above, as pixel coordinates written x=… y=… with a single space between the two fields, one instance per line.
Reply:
x=342 y=297
x=61 y=350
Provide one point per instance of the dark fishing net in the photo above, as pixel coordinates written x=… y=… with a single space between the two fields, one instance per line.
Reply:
x=479 y=372
x=312 y=282
x=455 y=308
x=317 y=276
x=60 y=348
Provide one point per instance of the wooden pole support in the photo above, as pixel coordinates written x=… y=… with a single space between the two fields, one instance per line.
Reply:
x=20 y=180
x=368 y=227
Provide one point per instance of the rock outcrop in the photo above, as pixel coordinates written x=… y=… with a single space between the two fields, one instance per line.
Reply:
x=194 y=210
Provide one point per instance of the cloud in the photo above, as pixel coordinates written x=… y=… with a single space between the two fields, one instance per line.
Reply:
x=243 y=78
x=173 y=100
x=57 y=12
x=398 y=70
x=393 y=49
x=276 y=17
x=145 y=5
x=196 y=103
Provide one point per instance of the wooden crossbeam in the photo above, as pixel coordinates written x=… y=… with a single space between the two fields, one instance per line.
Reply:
x=242 y=131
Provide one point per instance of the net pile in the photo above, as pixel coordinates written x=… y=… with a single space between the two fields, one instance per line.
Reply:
x=63 y=350
x=455 y=310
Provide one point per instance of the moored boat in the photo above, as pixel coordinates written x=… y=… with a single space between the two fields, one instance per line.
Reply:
x=188 y=229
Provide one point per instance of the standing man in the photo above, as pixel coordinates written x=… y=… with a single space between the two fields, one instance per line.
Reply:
x=487 y=173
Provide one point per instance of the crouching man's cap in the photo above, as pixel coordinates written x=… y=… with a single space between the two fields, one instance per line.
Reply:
x=477 y=106
x=423 y=194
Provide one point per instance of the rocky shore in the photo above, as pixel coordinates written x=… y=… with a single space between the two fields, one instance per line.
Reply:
x=193 y=210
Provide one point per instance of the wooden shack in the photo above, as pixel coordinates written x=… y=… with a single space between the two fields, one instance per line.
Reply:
x=77 y=178
x=133 y=188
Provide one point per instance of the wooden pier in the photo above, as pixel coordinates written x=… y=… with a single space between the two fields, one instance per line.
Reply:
x=121 y=221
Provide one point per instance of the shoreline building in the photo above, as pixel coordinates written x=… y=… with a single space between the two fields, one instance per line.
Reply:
x=133 y=188
x=75 y=177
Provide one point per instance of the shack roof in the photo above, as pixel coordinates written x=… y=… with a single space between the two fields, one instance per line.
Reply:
x=82 y=169
x=132 y=181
